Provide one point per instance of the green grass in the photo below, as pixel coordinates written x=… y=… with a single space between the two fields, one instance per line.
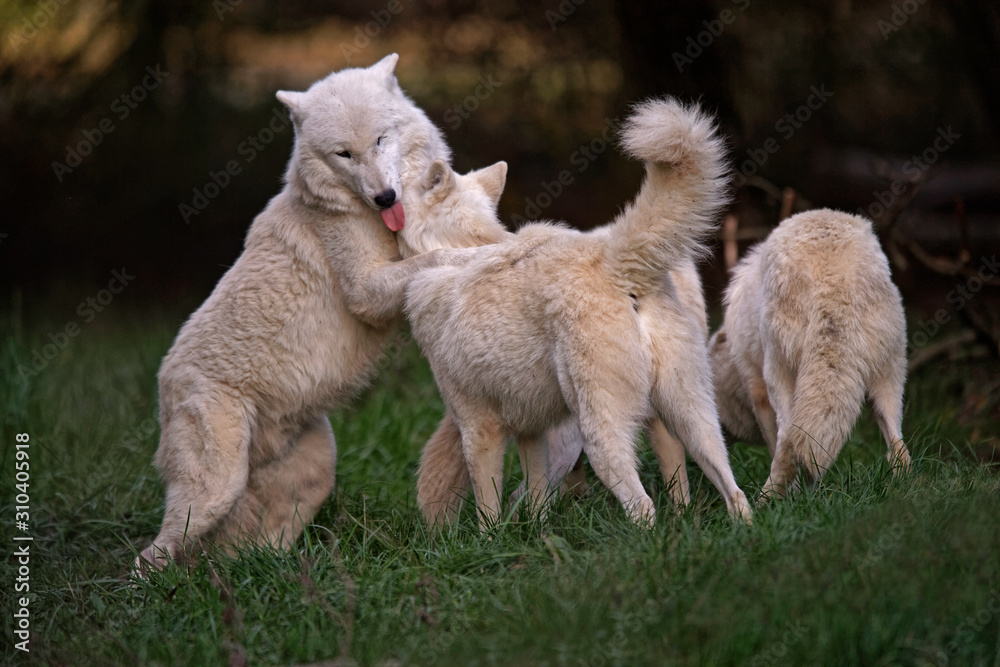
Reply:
x=863 y=569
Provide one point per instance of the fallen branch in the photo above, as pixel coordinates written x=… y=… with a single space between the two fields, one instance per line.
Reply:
x=788 y=196
x=925 y=354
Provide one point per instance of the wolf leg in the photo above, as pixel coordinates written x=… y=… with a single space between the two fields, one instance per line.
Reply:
x=375 y=288
x=443 y=479
x=683 y=397
x=886 y=394
x=575 y=482
x=779 y=391
x=534 y=456
x=484 y=444
x=670 y=455
x=609 y=442
x=204 y=459
x=767 y=419
x=605 y=379
x=565 y=455
x=284 y=494
x=690 y=410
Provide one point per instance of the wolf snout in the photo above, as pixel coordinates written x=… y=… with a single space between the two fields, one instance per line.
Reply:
x=386 y=198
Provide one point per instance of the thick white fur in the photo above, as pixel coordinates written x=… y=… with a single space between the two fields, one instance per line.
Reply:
x=295 y=327
x=443 y=477
x=551 y=323
x=813 y=322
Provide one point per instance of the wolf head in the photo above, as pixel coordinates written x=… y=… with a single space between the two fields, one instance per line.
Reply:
x=449 y=210
x=353 y=132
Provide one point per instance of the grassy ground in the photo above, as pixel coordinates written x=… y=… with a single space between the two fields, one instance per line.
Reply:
x=862 y=570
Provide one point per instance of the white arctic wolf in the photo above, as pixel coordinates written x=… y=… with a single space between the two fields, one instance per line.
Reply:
x=812 y=323
x=552 y=322
x=296 y=326
x=443 y=478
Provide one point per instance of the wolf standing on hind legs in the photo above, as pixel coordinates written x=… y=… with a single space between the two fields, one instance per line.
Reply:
x=812 y=323
x=296 y=326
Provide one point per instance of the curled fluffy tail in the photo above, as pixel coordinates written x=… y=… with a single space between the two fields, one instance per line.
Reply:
x=681 y=198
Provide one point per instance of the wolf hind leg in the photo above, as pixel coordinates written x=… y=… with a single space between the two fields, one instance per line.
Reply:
x=610 y=450
x=684 y=398
x=670 y=456
x=767 y=418
x=284 y=494
x=609 y=429
x=691 y=413
x=886 y=395
x=534 y=455
x=605 y=378
x=484 y=444
x=565 y=454
x=204 y=459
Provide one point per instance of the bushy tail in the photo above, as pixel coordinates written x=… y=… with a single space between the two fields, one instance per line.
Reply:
x=681 y=197
x=826 y=405
x=443 y=477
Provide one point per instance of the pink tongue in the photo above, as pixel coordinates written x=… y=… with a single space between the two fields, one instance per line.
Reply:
x=393 y=216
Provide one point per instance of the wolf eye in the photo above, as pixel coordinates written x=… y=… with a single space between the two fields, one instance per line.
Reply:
x=379 y=142
x=344 y=154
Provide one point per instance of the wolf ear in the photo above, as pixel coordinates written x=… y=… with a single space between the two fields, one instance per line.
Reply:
x=440 y=179
x=294 y=102
x=492 y=179
x=386 y=67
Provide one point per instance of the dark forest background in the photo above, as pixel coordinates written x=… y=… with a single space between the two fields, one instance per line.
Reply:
x=113 y=114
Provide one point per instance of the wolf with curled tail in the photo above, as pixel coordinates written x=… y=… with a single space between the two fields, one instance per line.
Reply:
x=551 y=323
